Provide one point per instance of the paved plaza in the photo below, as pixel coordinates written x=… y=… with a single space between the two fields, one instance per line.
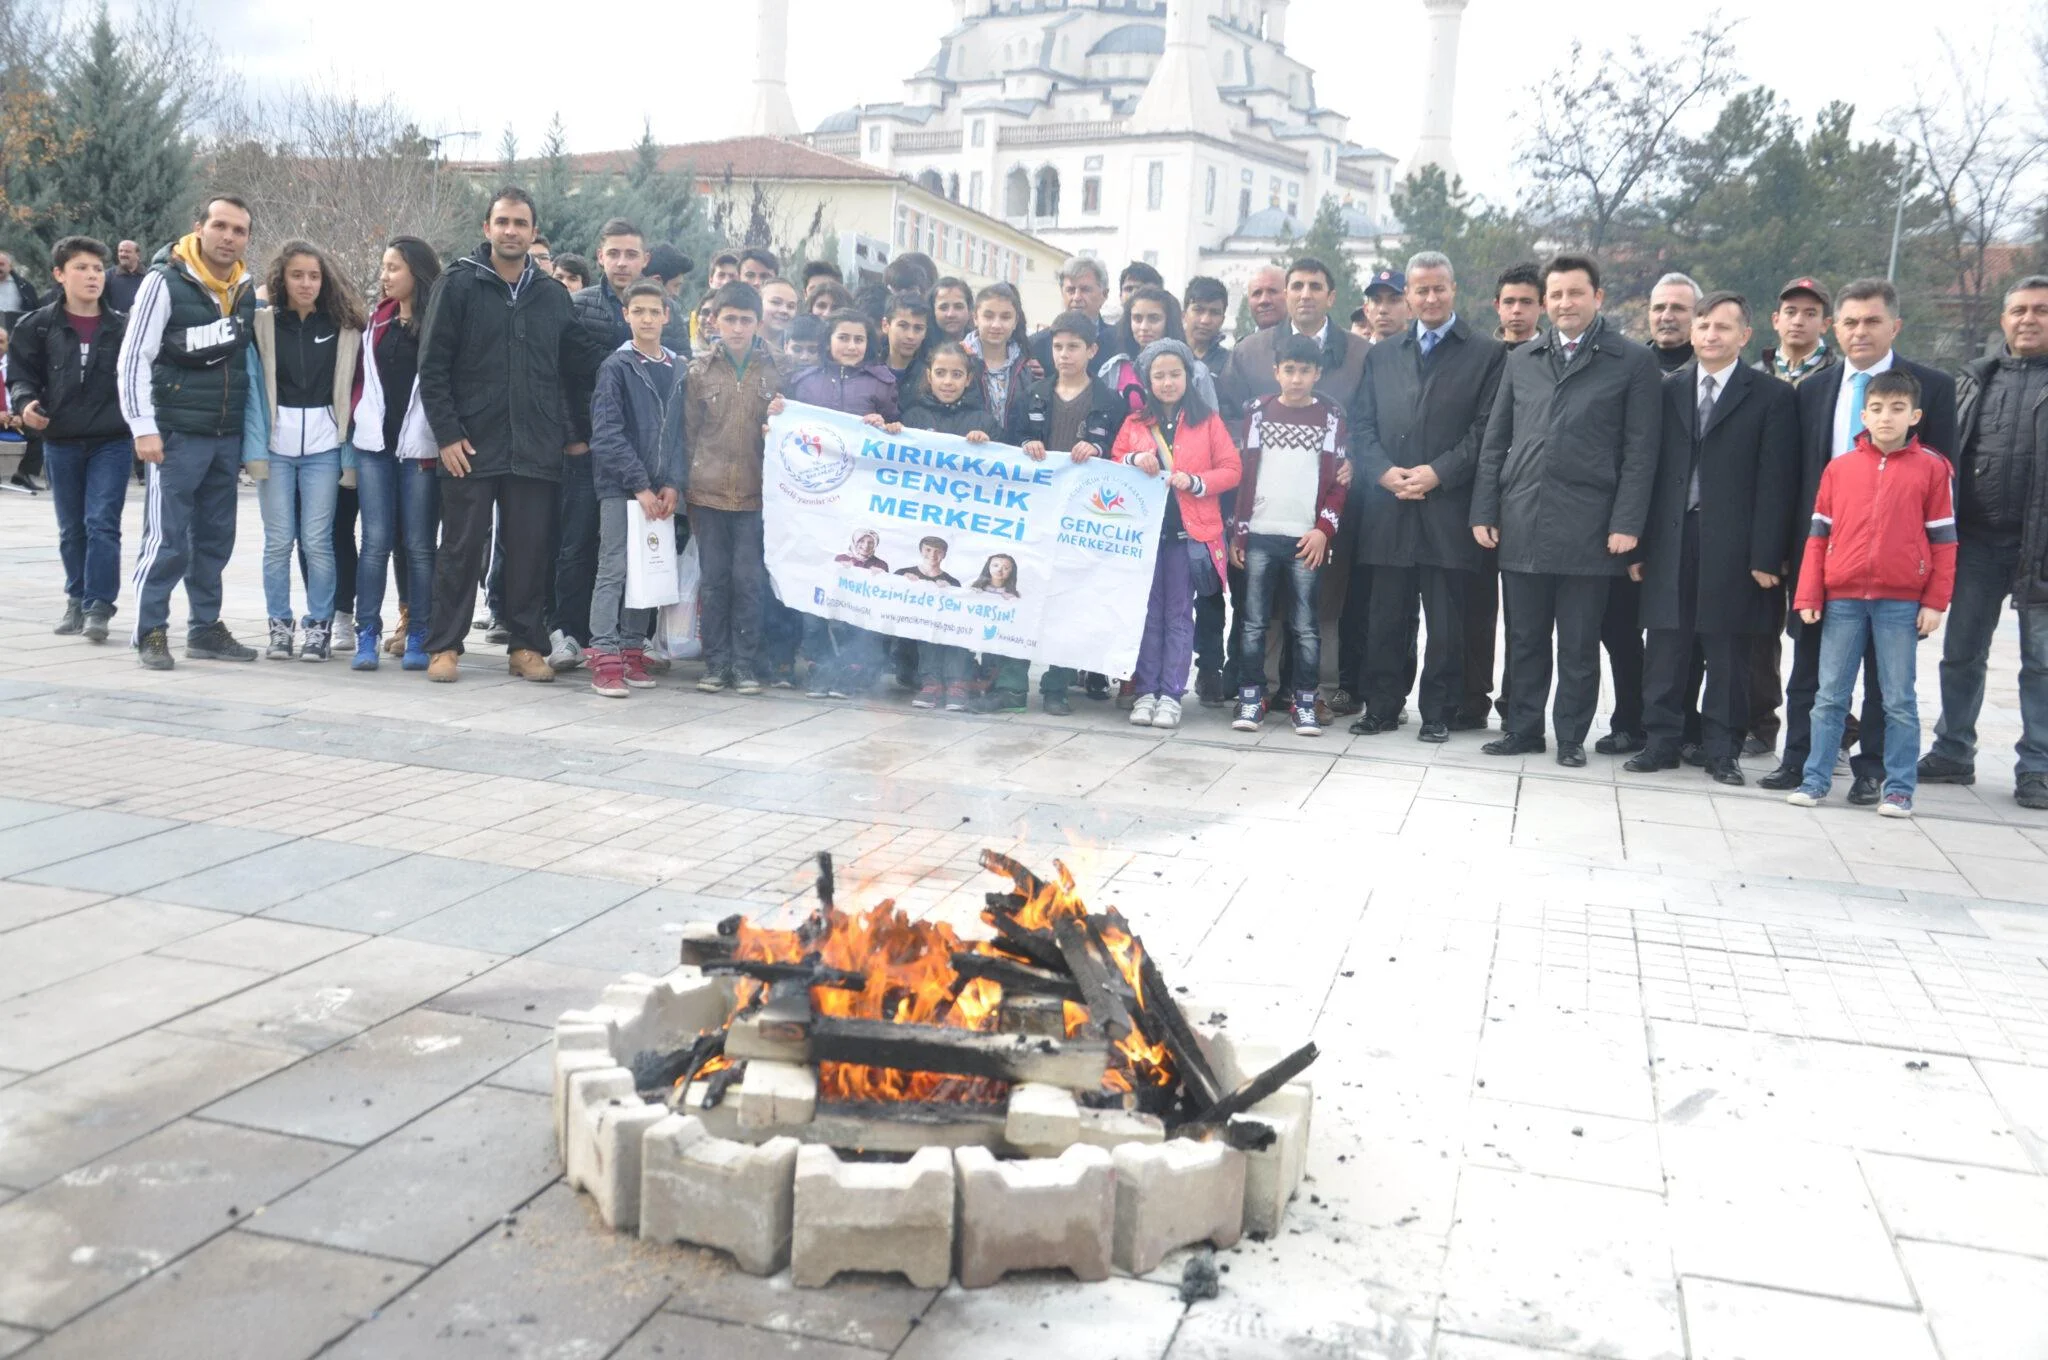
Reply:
x=1614 y=1066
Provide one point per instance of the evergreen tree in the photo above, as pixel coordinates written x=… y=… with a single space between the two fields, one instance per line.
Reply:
x=1329 y=240
x=1481 y=240
x=122 y=165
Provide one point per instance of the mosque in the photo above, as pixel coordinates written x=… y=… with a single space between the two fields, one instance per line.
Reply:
x=1178 y=132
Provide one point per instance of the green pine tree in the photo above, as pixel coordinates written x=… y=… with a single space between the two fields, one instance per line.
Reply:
x=123 y=166
x=1327 y=240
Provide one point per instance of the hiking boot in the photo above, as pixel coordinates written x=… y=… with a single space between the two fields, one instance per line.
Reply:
x=930 y=696
x=956 y=697
x=637 y=674
x=1251 y=710
x=367 y=650
x=73 y=622
x=213 y=642
x=528 y=664
x=1166 y=713
x=445 y=668
x=154 y=651
x=96 y=619
x=280 y=648
x=319 y=643
x=395 y=644
x=567 y=654
x=1304 y=715
x=1937 y=769
x=416 y=658
x=608 y=675
x=2031 y=791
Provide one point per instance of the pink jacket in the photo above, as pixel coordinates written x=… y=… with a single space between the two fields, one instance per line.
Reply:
x=1204 y=451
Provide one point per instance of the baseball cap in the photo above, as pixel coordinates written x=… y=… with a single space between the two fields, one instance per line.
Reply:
x=1808 y=285
x=1386 y=278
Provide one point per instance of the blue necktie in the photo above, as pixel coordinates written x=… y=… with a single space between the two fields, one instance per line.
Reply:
x=1859 y=388
x=1428 y=342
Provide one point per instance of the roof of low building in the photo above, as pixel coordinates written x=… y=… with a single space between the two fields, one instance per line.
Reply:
x=744 y=157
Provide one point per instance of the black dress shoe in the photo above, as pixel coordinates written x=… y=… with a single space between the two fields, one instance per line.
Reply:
x=1571 y=754
x=1936 y=769
x=1370 y=726
x=1725 y=771
x=1621 y=743
x=1865 y=791
x=1512 y=745
x=1651 y=759
x=1693 y=754
x=1434 y=732
x=1469 y=722
x=1782 y=778
x=1757 y=746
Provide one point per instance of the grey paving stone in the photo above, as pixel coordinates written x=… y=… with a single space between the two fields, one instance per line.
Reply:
x=424 y=1191
x=555 y=1283
x=41 y=1029
x=94 y=1231
x=1970 y=1297
x=306 y=1010
x=278 y=874
x=670 y=1337
x=393 y=894
x=513 y=917
x=16 y=1339
x=873 y=1311
x=363 y=1088
x=642 y=935
x=528 y=991
x=535 y=1073
x=56 y=1120
x=23 y=904
x=239 y=1297
x=252 y=942
x=60 y=947
x=1118 y=1319
x=69 y=835
x=21 y=811
x=156 y=859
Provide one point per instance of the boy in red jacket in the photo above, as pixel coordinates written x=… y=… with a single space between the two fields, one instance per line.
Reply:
x=1880 y=563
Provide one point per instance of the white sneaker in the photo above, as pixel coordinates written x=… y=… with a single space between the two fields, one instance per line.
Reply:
x=1167 y=713
x=568 y=652
x=1142 y=710
x=1801 y=798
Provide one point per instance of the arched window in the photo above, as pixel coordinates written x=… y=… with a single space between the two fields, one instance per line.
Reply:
x=1017 y=193
x=933 y=181
x=953 y=187
x=1047 y=204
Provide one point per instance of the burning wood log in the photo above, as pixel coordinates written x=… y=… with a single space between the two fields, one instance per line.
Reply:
x=1017 y=977
x=1102 y=989
x=810 y=974
x=1028 y=883
x=1257 y=1089
x=1160 y=1017
x=1018 y=938
x=1072 y=1063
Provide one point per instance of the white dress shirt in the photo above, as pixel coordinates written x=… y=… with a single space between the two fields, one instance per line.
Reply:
x=1845 y=402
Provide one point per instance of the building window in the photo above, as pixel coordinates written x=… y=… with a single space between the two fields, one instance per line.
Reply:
x=1293 y=198
x=953 y=187
x=1047 y=202
x=1246 y=176
x=974 y=191
x=905 y=231
x=1091 y=194
x=875 y=138
x=1329 y=160
x=1387 y=181
x=1273 y=192
x=1017 y=193
x=980 y=134
x=1155 y=185
x=1209 y=193
x=1244 y=205
x=1092 y=163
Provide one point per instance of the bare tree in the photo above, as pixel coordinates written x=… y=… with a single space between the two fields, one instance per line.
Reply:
x=1605 y=128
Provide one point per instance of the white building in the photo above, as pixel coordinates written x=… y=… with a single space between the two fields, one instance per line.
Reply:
x=1178 y=132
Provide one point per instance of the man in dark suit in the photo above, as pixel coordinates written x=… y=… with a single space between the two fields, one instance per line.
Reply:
x=1830 y=417
x=1564 y=483
x=1719 y=531
x=1422 y=410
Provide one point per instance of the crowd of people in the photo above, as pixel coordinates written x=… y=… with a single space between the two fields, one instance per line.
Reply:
x=1431 y=474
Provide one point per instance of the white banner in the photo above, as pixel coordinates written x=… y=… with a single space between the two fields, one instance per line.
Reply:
x=926 y=536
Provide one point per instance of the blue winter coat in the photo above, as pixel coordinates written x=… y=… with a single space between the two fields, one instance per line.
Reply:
x=636 y=425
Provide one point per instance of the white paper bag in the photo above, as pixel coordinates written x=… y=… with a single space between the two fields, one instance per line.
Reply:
x=677 y=633
x=650 y=559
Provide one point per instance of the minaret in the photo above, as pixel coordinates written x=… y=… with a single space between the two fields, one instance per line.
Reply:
x=773 y=116
x=1438 y=97
x=1181 y=96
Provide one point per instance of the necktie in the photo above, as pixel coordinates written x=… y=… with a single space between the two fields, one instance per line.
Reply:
x=1708 y=385
x=1859 y=388
x=1428 y=342
x=1571 y=351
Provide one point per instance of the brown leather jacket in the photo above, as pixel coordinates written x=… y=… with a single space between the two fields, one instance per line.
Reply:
x=723 y=412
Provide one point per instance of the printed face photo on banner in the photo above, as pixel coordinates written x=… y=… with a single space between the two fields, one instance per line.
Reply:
x=926 y=536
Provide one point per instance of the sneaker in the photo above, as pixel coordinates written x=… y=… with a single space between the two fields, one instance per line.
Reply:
x=1804 y=797
x=319 y=643
x=608 y=675
x=1056 y=703
x=416 y=658
x=213 y=642
x=96 y=618
x=367 y=651
x=747 y=683
x=1166 y=713
x=931 y=696
x=820 y=686
x=1097 y=686
x=713 y=682
x=1895 y=805
x=1251 y=710
x=956 y=697
x=154 y=650
x=567 y=654
x=1345 y=704
x=1008 y=701
x=496 y=631
x=2031 y=791
x=280 y=648
x=1304 y=714
x=1142 y=709
x=1938 y=769
x=637 y=674
x=73 y=622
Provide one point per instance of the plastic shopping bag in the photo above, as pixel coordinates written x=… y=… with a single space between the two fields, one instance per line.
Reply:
x=651 y=571
x=677 y=634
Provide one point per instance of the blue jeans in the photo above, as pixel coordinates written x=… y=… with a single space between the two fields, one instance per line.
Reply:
x=419 y=514
x=401 y=513
x=377 y=500
x=188 y=529
x=1984 y=580
x=1848 y=627
x=1268 y=558
x=298 y=512
x=89 y=484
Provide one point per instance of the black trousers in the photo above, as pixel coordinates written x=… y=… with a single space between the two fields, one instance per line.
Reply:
x=1621 y=633
x=1673 y=659
x=1482 y=624
x=1766 y=677
x=1402 y=597
x=1214 y=649
x=1804 y=685
x=525 y=509
x=1354 y=630
x=1541 y=607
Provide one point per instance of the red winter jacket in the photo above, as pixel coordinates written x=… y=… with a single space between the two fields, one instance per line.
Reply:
x=1205 y=452
x=1884 y=528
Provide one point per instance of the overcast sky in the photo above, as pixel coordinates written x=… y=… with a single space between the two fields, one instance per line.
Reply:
x=464 y=67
